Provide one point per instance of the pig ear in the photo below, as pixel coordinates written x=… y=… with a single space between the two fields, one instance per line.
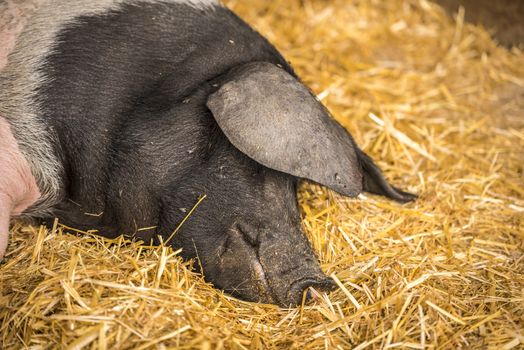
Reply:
x=274 y=119
x=374 y=181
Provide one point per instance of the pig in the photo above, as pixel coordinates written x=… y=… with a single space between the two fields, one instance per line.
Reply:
x=118 y=115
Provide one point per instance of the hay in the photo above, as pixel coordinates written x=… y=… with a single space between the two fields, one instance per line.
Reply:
x=440 y=107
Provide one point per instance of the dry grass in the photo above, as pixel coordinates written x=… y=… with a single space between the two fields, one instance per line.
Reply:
x=442 y=109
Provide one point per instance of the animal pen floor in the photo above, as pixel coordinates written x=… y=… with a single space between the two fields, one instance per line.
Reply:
x=441 y=108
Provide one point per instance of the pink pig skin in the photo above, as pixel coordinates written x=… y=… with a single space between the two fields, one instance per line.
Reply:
x=5 y=209
x=18 y=188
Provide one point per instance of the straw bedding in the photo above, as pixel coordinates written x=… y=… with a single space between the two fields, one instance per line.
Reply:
x=437 y=104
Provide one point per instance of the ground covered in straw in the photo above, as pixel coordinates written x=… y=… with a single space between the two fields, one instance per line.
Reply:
x=440 y=107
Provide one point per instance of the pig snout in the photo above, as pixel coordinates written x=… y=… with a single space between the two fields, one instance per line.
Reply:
x=269 y=267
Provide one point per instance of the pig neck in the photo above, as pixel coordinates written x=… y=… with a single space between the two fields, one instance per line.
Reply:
x=18 y=188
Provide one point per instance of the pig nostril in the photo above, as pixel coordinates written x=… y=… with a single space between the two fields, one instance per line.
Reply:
x=309 y=294
x=296 y=292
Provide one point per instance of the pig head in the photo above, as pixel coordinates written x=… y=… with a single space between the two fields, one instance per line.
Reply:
x=276 y=132
x=136 y=140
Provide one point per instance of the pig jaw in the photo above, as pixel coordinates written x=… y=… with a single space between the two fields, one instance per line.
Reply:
x=18 y=188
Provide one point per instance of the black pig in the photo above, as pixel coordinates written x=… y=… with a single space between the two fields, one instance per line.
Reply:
x=117 y=115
